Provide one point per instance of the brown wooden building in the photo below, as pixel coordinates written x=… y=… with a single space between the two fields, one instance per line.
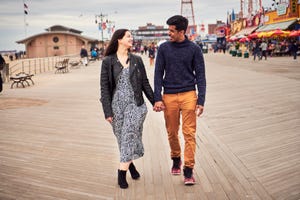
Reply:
x=56 y=41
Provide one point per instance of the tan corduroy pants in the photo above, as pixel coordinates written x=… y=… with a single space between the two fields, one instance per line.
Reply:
x=181 y=104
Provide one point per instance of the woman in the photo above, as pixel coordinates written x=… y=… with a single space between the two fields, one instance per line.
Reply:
x=123 y=81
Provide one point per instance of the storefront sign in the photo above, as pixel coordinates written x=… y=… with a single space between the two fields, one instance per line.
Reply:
x=294 y=6
x=266 y=18
x=281 y=9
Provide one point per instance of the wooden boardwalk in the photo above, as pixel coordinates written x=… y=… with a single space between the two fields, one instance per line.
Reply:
x=55 y=143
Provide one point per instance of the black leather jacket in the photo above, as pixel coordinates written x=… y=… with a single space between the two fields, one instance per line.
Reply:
x=110 y=71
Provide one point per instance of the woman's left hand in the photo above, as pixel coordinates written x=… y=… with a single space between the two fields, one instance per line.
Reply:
x=109 y=119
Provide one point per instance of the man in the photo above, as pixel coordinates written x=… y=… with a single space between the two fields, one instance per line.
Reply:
x=264 y=47
x=294 y=49
x=179 y=68
x=84 y=55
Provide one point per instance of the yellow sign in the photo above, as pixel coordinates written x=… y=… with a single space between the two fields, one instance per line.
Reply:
x=283 y=13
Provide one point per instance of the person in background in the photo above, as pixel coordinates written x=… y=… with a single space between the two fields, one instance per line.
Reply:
x=84 y=55
x=179 y=68
x=294 y=49
x=94 y=53
x=151 y=53
x=264 y=47
x=255 y=50
x=2 y=63
x=123 y=82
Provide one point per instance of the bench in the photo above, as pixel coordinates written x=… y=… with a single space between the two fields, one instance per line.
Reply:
x=20 y=78
x=62 y=66
x=75 y=64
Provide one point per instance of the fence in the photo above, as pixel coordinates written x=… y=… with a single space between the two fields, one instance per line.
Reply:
x=34 y=65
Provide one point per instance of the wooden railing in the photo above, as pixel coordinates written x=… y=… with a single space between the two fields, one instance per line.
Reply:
x=35 y=65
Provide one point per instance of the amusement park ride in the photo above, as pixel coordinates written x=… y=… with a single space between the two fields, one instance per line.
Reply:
x=187 y=10
x=243 y=3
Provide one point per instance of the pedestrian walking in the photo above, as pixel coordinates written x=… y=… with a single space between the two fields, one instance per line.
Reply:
x=179 y=69
x=84 y=55
x=123 y=81
x=264 y=47
x=255 y=50
x=294 y=49
x=151 y=53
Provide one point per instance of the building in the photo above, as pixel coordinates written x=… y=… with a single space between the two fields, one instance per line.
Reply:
x=56 y=41
x=285 y=16
x=151 y=32
x=218 y=29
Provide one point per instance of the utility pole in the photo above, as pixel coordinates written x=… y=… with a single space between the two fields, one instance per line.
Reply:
x=101 y=16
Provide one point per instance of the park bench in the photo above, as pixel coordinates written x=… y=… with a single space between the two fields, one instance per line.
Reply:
x=75 y=64
x=20 y=78
x=62 y=66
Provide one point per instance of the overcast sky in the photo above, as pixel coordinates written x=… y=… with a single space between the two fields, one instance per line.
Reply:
x=80 y=15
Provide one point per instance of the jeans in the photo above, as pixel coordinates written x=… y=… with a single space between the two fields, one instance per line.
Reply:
x=181 y=104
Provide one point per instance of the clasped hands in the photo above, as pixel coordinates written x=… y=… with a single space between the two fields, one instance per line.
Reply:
x=160 y=106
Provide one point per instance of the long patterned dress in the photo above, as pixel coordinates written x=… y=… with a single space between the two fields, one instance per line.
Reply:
x=128 y=119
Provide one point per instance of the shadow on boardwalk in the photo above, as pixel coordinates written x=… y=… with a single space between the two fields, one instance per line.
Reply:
x=55 y=143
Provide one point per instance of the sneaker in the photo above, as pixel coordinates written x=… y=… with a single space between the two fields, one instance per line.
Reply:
x=176 y=166
x=188 y=176
x=189 y=181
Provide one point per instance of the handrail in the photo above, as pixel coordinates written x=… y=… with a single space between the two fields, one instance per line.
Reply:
x=36 y=65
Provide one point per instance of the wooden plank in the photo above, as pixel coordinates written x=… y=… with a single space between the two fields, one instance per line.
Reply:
x=248 y=141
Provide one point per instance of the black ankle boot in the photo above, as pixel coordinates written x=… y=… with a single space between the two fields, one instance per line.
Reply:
x=134 y=173
x=122 y=179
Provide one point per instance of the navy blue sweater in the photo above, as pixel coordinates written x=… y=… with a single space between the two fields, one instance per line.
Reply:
x=178 y=68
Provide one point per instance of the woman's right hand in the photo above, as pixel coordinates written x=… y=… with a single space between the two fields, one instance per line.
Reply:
x=109 y=119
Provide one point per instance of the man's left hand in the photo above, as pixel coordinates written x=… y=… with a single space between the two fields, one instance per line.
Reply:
x=199 y=110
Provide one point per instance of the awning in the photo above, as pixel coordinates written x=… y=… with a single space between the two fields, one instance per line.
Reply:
x=280 y=25
x=244 y=32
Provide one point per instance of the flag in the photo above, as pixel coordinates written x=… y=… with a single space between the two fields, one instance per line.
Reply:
x=104 y=25
x=25 y=9
x=232 y=15
x=113 y=29
x=227 y=22
x=192 y=31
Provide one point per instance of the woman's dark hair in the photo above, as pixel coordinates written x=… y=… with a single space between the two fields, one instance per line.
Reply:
x=113 y=44
x=180 y=22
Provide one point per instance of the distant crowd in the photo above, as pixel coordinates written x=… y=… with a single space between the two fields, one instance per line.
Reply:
x=261 y=47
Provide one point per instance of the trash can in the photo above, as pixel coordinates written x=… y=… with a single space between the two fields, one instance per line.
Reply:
x=246 y=54
x=233 y=53
x=239 y=54
x=204 y=49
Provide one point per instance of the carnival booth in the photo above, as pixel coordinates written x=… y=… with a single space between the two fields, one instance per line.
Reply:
x=280 y=28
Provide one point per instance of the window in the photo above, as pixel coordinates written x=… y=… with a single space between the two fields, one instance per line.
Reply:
x=55 y=39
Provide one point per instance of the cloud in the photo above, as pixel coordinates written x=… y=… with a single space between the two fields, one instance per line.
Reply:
x=126 y=14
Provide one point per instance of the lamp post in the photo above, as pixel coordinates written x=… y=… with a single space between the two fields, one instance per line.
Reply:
x=101 y=16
